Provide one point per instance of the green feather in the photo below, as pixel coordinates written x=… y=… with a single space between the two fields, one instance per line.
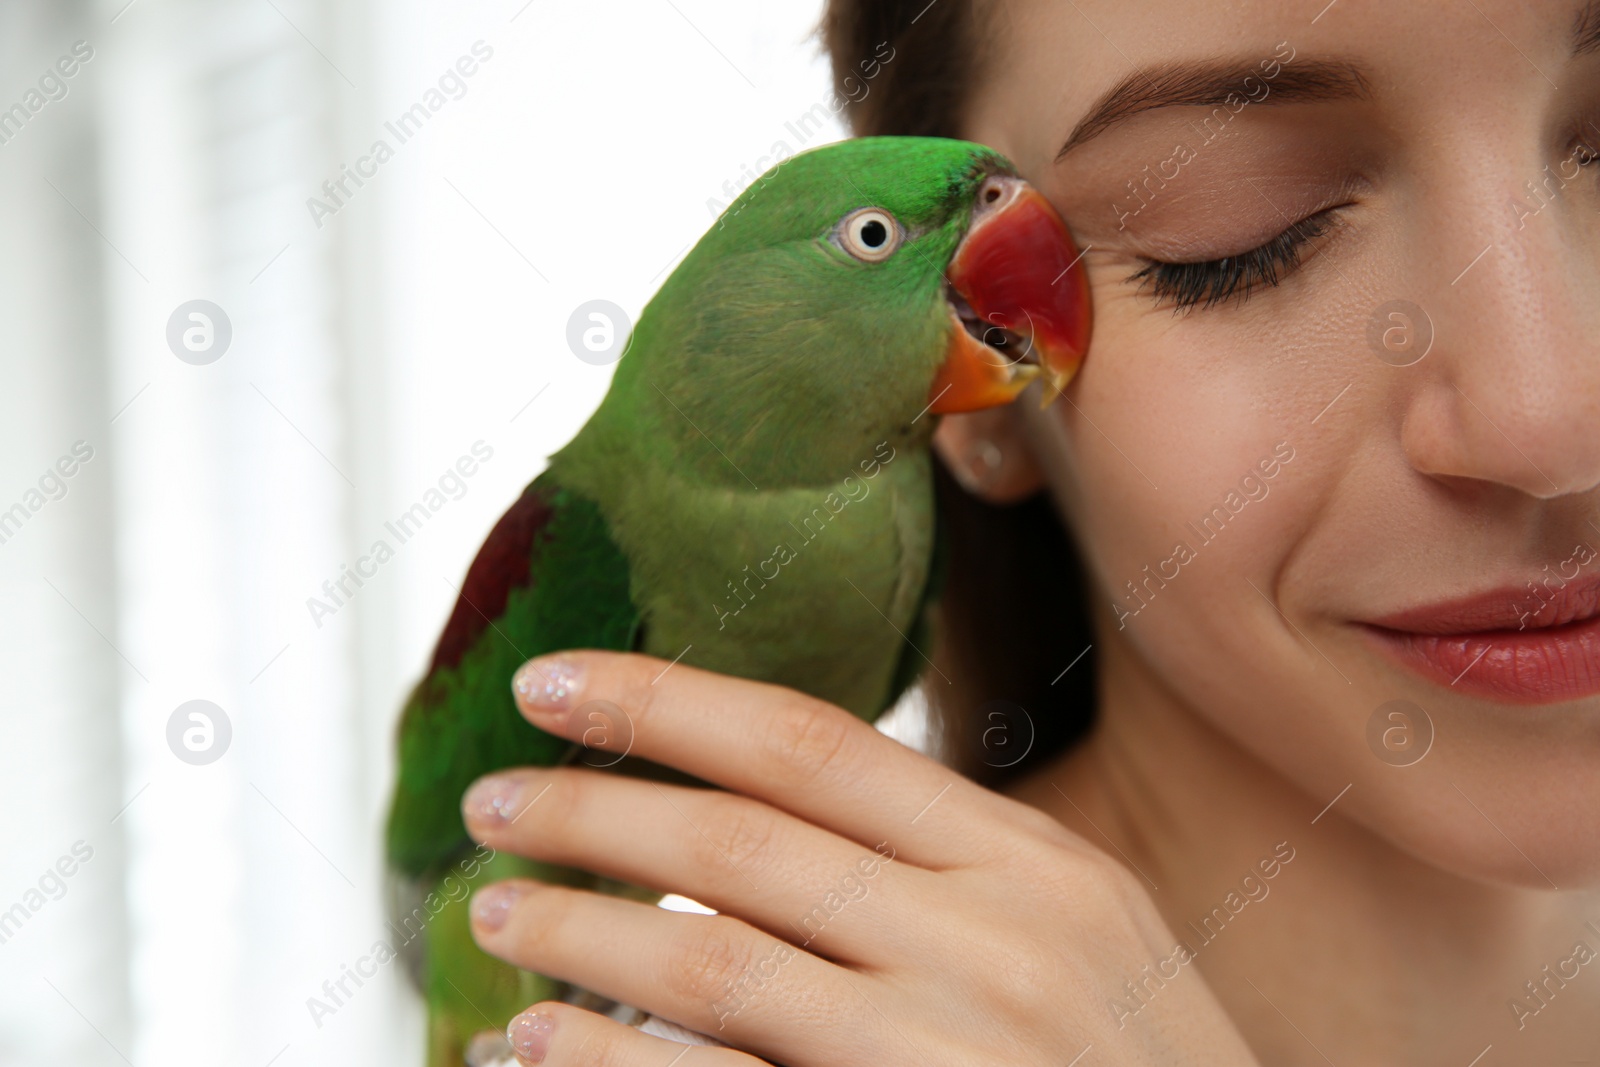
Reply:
x=462 y=722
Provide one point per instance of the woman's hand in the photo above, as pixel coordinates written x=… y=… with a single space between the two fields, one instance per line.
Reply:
x=875 y=908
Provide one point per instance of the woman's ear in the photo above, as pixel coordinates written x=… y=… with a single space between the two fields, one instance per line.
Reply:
x=989 y=454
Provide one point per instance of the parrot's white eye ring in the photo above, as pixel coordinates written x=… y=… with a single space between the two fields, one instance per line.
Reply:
x=870 y=234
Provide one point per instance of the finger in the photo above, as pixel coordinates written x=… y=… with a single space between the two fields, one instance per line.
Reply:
x=737 y=855
x=710 y=973
x=796 y=752
x=558 y=1035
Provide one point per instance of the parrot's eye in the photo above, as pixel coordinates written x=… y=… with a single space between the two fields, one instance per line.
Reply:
x=870 y=234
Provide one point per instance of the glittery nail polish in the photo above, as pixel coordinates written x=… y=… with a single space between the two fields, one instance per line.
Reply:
x=492 y=904
x=529 y=1034
x=494 y=800
x=548 y=685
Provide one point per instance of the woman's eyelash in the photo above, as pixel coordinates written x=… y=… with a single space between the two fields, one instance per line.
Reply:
x=1215 y=281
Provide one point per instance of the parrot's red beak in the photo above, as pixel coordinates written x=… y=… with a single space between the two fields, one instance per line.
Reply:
x=1019 y=302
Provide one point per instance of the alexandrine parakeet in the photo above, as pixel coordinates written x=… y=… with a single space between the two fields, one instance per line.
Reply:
x=754 y=495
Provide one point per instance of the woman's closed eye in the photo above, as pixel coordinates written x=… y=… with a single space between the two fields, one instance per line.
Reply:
x=1205 y=283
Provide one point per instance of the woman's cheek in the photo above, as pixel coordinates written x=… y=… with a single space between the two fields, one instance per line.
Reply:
x=1180 y=429
x=1197 y=438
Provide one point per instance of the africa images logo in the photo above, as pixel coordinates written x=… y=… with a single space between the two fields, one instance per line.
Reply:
x=337 y=191
x=1253 y=486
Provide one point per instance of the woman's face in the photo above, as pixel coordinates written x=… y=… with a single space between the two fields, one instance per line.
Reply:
x=1374 y=481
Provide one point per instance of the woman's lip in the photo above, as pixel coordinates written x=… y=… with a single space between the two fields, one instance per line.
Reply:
x=1533 y=666
x=1535 y=605
x=1536 y=644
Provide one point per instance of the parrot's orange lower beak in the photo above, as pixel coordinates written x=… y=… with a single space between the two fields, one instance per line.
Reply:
x=1019 y=302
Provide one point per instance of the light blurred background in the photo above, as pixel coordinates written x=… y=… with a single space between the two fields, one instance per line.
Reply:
x=372 y=344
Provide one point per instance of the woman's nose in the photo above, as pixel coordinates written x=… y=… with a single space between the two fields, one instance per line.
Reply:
x=1510 y=391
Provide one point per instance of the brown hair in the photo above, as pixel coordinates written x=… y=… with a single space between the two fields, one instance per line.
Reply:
x=1013 y=611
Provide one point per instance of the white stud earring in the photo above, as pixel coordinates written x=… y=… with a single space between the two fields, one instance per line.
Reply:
x=981 y=462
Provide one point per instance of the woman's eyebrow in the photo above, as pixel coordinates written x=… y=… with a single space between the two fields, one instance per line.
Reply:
x=1212 y=82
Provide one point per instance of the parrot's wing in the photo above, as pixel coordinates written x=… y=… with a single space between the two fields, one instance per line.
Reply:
x=920 y=640
x=548 y=577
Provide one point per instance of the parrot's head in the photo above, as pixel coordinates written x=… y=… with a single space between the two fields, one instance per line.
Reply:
x=856 y=288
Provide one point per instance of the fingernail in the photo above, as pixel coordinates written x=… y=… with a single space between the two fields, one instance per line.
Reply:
x=492 y=904
x=493 y=801
x=548 y=684
x=529 y=1034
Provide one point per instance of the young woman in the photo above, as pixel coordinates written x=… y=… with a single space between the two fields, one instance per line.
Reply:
x=1326 y=789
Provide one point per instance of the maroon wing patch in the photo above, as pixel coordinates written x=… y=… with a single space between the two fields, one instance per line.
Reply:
x=501 y=565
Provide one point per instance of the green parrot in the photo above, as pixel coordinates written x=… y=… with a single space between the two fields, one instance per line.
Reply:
x=753 y=496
